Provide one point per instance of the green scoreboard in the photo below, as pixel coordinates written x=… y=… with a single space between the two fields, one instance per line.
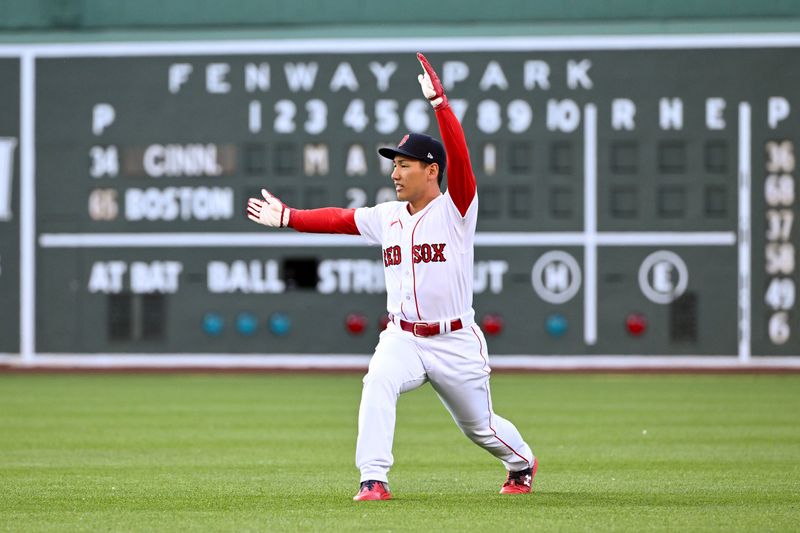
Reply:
x=636 y=194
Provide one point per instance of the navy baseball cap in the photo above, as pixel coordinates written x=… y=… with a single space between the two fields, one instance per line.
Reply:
x=418 y=146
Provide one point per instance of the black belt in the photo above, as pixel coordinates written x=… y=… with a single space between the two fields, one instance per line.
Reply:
x=427 y=329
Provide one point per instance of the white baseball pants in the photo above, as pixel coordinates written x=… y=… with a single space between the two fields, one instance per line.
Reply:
x=456 y=366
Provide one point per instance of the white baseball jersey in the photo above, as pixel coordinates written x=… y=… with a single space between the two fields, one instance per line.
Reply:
x=427 y=257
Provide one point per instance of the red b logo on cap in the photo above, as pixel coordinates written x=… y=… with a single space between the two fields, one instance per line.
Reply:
x=403 y=141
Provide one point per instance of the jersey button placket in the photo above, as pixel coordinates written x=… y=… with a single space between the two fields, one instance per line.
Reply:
x=408 y=280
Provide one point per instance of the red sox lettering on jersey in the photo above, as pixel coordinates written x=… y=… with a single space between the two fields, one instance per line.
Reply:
x=422 y=253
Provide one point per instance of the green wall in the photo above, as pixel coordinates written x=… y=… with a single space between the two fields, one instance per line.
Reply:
x=38 y=15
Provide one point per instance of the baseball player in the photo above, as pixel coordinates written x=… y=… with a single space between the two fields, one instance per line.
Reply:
x=427 y=239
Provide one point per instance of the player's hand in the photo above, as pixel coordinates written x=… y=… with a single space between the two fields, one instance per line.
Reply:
x=431 y=86
x=270 y=211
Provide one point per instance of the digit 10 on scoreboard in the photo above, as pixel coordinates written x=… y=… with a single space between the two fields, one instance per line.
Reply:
x=632 y=201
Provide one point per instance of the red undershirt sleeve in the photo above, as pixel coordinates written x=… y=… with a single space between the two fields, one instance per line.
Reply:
x=325 y=220
x=460 y=178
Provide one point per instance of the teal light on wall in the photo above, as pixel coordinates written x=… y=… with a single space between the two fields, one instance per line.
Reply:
x=556 y=325
x=213 y=324
x=280 y=324
x=246 y=323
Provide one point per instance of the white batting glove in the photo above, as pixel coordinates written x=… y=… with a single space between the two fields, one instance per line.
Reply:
x=270 y=211
x=429 y=81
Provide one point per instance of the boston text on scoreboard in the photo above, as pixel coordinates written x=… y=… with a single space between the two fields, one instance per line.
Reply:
x=637 y=194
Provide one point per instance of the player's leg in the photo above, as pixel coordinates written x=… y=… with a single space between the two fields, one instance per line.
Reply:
x=394 y=368
x=459 y=373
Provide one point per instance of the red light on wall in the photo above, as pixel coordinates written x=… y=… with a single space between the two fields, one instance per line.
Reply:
x=636 y=324
x=492 y=324
x=356 y=323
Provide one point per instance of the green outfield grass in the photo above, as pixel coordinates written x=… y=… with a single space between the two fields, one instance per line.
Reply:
x=275 y=453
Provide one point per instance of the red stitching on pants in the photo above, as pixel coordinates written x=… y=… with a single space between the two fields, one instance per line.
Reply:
x=489 y=405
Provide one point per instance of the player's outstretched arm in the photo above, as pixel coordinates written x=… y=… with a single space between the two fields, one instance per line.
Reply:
x=460 y=178
x=273 y=213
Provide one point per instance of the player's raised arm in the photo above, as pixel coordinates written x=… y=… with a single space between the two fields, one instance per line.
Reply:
x=460 y=178
x=273 y=213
